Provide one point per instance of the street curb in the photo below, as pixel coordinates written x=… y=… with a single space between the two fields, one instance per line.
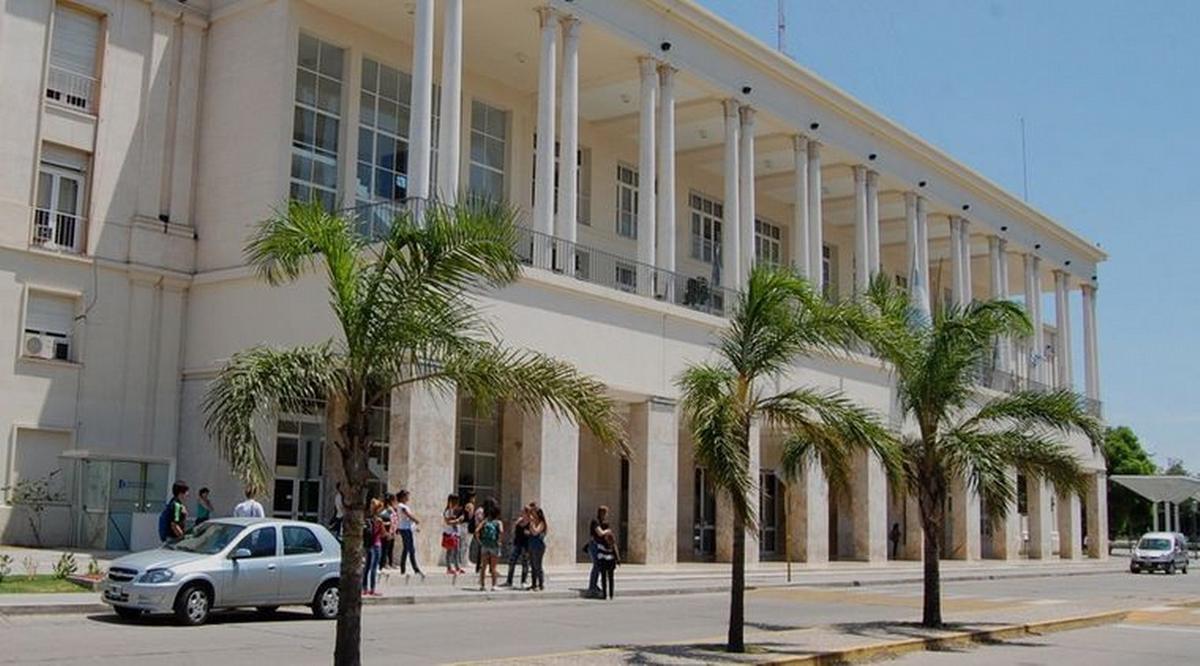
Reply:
x=575 y=593
x=955 y=639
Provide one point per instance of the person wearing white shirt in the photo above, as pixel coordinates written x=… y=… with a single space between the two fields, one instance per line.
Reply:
x=249 y=508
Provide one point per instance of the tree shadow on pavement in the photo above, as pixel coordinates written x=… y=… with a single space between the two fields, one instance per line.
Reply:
x=707 y=653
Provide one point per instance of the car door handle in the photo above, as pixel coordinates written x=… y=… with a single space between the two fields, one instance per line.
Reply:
x=321 y=565
x=271 y=567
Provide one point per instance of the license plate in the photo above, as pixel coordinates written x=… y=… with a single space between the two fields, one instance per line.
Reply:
x=115 y=591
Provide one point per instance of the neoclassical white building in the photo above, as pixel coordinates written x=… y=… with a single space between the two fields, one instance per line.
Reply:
x=140 y=140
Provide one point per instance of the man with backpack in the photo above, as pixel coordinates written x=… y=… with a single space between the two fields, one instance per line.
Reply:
x=172 y=522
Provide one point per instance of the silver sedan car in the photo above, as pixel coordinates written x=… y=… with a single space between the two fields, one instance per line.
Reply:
x=226 y=563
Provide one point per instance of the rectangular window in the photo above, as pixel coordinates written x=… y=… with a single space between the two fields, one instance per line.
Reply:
x=706 y=217
x=627 y=201
x=625 y=276
x=827 y=268
x=49 y=324
x=316 y=125
x=583 y=264
x=768 y=243
x=489 y=148
x=478 y=449
x=71 y=78
x=61 y=190
x=583 y=184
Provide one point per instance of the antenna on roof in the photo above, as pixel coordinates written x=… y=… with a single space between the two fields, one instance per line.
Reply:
x=781 y=28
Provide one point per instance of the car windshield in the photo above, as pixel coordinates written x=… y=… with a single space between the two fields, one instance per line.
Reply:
x=1154 y=544
x=207 y=538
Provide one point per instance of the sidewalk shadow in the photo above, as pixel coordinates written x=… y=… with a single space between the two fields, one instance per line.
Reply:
x=238 y=616
x=706 y=653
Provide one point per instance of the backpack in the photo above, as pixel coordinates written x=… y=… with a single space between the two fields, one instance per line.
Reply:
x=490 y=534
x=164 y=522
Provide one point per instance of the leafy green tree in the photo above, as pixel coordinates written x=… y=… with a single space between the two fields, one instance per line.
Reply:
x=1128 y=512
x=776 y=320
x=406 y=317
x=961 y=432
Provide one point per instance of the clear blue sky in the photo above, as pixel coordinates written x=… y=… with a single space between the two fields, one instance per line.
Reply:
x=1110 y=93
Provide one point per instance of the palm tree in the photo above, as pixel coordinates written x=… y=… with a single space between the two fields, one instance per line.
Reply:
x=963 y=433
x=775 y=321
x=406 y=317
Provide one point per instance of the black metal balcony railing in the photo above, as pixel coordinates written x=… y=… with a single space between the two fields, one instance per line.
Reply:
x=584 y=263
x=621 y=273
x=989 y=377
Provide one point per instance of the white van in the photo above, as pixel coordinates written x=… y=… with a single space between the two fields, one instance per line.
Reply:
x=1160 y=550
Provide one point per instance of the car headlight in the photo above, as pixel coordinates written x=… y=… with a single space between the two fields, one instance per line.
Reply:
x=157 y=576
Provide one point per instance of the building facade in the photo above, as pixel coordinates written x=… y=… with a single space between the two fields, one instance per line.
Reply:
x=143 y=139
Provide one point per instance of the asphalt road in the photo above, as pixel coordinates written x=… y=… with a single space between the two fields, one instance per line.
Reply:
x=1110 y=645
x=483 y=631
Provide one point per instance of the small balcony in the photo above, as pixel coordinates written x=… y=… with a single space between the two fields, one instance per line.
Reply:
x=57 y=231
x=72 y=89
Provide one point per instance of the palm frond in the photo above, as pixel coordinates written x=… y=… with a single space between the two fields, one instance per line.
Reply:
x=258 y=382
x=489 y=373
x=1061 y=410
x=829 y=427
x=719 y=427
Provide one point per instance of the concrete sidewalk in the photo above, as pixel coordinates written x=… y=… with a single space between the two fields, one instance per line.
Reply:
x=637 y=580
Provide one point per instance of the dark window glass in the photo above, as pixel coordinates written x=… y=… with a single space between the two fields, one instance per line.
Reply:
x=300 y=541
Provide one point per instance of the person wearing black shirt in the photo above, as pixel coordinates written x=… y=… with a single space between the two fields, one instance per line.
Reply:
x=597 y=529
x=520 y=547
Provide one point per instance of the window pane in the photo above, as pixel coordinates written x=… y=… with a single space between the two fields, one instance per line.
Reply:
x=300 y=541
x=260 y=542
x=331 y=61
x=389 y=82
x=325 y=173
x=306 y=87
x=304 y=126
x=308 y=52
x=370 y=73
x=329 y=96
x=327 y=134
x=388 y=117
x=45 y=186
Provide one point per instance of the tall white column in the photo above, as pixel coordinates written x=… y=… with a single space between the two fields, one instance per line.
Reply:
x=862 y=249
x=967 y=542
x=725 y=506
x=816 y=236
x=873 y=262
x=653 y=481
x=868 y=509
x=421 y=455
x=918 y=287
x=647 y=207
x=450 y=126
x=999 y=291
x=568 y=164
x=154 y=124
x=420 y=122
x=1070 y=527
x=550 y=477
x=808 y=515
x=1097 y=515
x=1033 y=307
x=1038 y=497
x=956 y=261
x=731 y=275
x=965 y=248
x=666 y=175
x=923 y=251
x=1062 y=317
x=543 y=187
x=746 y=212
x=1091 y=350
x=801 y=257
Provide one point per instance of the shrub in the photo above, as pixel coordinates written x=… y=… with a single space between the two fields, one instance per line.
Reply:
x=94 y=569
x=5 y=566
x=31 y=567
x=65 y=566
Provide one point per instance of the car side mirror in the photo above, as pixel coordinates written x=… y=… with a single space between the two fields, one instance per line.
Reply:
x=240 y=554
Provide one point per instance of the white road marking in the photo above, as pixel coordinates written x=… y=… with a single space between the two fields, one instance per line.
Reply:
x=1046 y=602
x=1159 y=609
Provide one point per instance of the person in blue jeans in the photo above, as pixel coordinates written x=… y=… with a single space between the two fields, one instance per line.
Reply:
x=597 y=532
x=537 y=545
x=373 y=544
x=408 y=523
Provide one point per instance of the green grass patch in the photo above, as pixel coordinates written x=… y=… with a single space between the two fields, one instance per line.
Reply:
x=22 y=584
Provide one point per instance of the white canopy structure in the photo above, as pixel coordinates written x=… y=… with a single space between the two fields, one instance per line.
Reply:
x=1170 y=490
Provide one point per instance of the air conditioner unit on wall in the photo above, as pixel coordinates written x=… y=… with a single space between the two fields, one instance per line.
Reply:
x=47 y=346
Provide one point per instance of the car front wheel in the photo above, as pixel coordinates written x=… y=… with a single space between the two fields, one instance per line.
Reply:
x=192 y=605
x=326 y=601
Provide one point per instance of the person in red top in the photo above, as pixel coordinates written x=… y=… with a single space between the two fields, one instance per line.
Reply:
x=373 y=543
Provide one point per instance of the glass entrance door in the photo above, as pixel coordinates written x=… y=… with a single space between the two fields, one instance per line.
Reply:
x=769 y=510
x=111 y=493
x=704 y=512
x=299 y=442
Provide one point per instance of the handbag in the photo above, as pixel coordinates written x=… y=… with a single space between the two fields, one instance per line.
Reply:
x=449 y=540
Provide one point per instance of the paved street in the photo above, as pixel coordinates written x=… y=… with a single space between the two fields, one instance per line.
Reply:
x=576 y=631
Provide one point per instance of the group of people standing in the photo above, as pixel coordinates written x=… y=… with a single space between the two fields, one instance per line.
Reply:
x=386 y=521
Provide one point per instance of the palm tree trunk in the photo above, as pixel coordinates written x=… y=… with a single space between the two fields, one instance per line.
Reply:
x=347 y=649
x=932 y=614
x=737 y=592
